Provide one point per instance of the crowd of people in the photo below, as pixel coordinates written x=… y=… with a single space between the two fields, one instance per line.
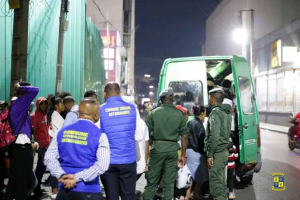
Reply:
x=80 y=143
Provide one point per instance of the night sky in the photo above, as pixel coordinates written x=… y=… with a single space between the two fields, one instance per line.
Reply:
x=168 y=29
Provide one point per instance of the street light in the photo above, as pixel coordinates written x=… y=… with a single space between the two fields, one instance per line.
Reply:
x=240 y=36
x=151 y=93
x=147 y=75
x=151 y=86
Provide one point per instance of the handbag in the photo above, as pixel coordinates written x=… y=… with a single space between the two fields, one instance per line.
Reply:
x=184 y=179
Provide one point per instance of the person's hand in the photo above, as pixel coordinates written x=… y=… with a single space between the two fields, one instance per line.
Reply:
x=17 y=87
x=210 y=162
x=147 y=168
x=34 y=147
x=68 y=181
x=181 y=161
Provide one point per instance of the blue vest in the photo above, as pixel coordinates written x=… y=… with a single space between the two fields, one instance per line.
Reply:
x=77 y=146
x=118 y=122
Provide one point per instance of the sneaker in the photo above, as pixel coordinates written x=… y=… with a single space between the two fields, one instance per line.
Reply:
x=231 y=195
x=53 y=196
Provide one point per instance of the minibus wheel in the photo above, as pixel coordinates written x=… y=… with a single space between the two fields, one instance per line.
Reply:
x=247 y=179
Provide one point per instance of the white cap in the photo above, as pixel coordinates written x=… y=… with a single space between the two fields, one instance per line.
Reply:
x=216 y=90
x=227 y=101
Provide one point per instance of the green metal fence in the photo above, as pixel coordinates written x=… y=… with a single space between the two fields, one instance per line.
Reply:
x=83 y=67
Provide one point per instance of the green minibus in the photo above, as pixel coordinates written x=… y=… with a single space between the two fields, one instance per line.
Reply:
x=189 y=79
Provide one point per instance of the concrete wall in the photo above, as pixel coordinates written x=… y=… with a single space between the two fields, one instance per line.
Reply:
x=114 y=9
x=269 y=16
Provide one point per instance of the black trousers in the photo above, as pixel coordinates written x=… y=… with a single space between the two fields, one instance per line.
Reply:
x=120 y=180
x=230 y=179
x=3 y=170
x=21 y=177
x=40 y=168
x=69 y=195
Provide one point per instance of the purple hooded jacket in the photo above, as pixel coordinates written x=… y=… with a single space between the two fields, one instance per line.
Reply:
x=19 y=108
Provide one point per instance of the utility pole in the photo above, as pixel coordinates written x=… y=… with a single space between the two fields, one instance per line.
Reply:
x=252 y=46
x=108 y=48
x=63 y=26
x=20 y=44
x=252 y=40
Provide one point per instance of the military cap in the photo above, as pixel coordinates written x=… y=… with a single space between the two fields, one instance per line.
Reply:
x=227 y=101
x=216 y=90
x=166 y=92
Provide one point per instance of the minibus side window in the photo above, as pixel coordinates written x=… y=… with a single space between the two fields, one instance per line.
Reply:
x=246 y=95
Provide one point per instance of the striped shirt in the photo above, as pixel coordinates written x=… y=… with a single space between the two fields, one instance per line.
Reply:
x=232 y=157
x=100 y=166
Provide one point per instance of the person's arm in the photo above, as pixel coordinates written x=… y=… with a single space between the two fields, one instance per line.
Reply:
x=100 y=166
x=147 y=147
x=214 y=134
x=184 y=132
x=23 y=102
x=149 y=123
x=139 y=128
x=295 y=118
x=70 y=118
x=20 y=105
x=34 y=124
x=51 y=160
x=201 y=138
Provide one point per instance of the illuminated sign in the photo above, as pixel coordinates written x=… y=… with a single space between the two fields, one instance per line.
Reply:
x=14 y=4
x=290 y=54
x=276 y=54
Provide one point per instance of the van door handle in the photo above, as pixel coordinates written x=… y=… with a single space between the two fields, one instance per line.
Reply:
x=246 y=126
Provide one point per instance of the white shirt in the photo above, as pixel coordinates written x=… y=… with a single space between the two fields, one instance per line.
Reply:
x=139 y=129
x=57 y=122
x=100 y=166
x=98 y=123
x=205 y=122
x=141 y=148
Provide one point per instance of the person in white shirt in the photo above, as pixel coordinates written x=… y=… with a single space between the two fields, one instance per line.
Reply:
x=141 y=164
x=141 y=146
x=57 y=122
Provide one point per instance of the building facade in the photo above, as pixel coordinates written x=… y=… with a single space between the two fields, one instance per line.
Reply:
x=277 y=44
x=116 y=18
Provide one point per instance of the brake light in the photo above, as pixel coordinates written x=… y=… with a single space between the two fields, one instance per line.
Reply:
x=258 y=136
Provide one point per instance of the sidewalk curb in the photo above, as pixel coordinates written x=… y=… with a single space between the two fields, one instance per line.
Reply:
x=266 y=127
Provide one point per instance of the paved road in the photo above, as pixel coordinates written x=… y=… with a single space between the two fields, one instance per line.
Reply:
x=276 y=158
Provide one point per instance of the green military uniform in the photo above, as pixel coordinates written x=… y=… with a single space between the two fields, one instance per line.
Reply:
x=216 y=142
x=166 y=124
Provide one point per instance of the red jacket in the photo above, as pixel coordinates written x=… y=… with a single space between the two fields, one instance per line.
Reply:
x=40 y=124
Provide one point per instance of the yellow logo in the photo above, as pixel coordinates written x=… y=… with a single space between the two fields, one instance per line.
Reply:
x=278 y=184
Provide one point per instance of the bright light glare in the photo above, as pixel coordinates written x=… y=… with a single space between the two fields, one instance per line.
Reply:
x=240 y=36
x=151 y=86
x=147 y=75
x=151 y=93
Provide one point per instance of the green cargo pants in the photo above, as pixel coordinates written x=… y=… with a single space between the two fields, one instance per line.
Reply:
x=217 y=182
x=165 y=164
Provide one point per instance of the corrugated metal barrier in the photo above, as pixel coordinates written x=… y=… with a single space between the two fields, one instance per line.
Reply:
x=83 y=67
